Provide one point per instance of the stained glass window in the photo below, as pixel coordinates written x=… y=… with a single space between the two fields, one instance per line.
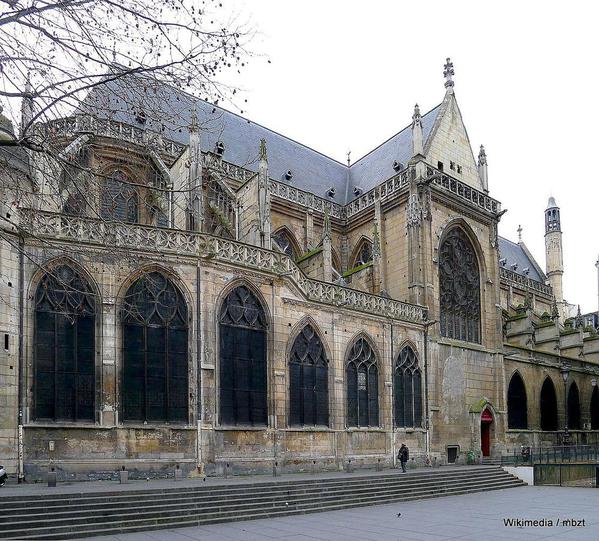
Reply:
x=64 y=365
x=364 y=254
x=155 y=352
x=459 y=284
x=119 y=199
x=362 y=385
x=308 y=381
x=242 y=359
x=408 y=390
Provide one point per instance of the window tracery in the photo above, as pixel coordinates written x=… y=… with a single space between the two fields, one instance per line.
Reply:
x=408 y=390
x=459 y=284
x=119 y=199
x=285 y=242
x=220 y=214
x=155 y=351
x=242 y=326
x=308 y=381
x=362 y=385
x=364 y=254
x=64 y=358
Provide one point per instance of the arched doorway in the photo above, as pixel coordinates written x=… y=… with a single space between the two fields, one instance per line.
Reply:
x=595 y=409
x=548 y=406
x=486 y=420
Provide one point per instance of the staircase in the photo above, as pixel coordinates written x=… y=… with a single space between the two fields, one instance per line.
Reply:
x=491 y=461
x=76 y=515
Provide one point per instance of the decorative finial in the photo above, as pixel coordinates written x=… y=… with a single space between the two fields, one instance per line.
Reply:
x=554 y=310
x=416 y=118
x=376 y=241
x=193 y=126
x=326 y=234
x=448 y=73
x=579 y=322
x=482 y=156
x=519 y=233
x=348 y=157
x=262 y=151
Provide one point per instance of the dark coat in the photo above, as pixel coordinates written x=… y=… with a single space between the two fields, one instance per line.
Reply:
x=404 y=454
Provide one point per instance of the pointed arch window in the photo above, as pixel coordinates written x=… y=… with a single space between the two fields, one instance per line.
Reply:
x=242 y=325
x=363 y=253
x=548 y=406
x=595 y=409
x=119 y=199
x=64 y=365
x=517 y=413
x=408 y=390
x=459 y=284
x=308 y=381
x=155 y=351
x=574 y=407
x=286 y=243
x=362 y=385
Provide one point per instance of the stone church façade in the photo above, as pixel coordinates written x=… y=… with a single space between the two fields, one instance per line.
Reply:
x=185 y=288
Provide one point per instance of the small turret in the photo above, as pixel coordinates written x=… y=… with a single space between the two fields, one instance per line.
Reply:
x=554 y=253
x=417 y=139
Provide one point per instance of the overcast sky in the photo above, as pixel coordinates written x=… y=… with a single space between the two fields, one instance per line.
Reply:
x=345 y=75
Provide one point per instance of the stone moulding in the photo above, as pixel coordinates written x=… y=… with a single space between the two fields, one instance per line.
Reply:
x=49 y=225
x=523 y=282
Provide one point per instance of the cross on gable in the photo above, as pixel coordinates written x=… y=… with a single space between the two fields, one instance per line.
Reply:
x=448 y=73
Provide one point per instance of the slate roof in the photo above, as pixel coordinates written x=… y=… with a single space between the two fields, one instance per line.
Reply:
x=518 y=253
x=312 y=171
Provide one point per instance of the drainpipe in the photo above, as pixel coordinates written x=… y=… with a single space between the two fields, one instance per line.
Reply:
x=20 y=383
x=426 y=406
x=393 y=400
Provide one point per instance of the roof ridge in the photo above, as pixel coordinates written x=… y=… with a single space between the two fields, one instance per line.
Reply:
x=394 y=135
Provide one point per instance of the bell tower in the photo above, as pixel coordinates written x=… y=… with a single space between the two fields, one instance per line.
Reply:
x=553 y=253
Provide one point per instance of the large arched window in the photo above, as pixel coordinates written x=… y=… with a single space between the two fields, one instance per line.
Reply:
x=242 y=324
x=64 y=366
x=574 y=407
x=119 y=199
x=155 y=351
x=459 y=285
x=408 y=390
x=548 y=406
x=517 y=416
x=362 y=385
x=595 y=409
x=308 y=381
x=362 y=254
x=286 y=242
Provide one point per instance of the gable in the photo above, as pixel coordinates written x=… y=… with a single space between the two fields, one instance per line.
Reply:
x=449 y=143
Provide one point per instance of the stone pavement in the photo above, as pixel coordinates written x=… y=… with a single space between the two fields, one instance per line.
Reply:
x=472 y=517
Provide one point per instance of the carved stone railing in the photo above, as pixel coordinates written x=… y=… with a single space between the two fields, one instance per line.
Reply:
x=79 y=124
x=241 y=174
x=386 y=190
x=119 y=236
x=524 y=282
x=463 y=191
x=307 y=199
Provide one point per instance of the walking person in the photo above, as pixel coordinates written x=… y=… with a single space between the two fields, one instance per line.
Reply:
x=403 y=455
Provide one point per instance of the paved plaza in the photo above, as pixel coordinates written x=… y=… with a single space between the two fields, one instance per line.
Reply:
x=472 y=517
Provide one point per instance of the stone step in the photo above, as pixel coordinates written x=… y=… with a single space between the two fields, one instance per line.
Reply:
x=245 y=487
x=92 y=529
x=72 y=514
x=296 y=497
x=229 y=493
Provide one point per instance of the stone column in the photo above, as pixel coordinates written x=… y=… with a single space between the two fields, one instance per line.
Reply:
x=264 y=198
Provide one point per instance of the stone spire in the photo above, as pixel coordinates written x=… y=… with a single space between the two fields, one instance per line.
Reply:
x=263 y=197
x=195 y=205
x=448 y=73
x=27 y=112
x=327 y=248
x=417 y=137
x=519 y=234
x=483 y=173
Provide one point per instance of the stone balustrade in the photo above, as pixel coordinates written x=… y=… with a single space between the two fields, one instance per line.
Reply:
x=524 y=282
x=118 y=236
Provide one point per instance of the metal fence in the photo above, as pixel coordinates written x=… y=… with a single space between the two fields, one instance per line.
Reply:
x=562 y=454
x=566 y=475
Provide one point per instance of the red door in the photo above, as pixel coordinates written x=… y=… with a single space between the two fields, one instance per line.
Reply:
x=485 y=432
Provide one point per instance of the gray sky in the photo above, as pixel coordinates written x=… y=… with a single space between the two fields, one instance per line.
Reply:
x=344 y=75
